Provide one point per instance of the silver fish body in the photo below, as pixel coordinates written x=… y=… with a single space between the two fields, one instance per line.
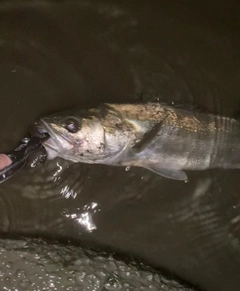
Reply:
x=158 y=137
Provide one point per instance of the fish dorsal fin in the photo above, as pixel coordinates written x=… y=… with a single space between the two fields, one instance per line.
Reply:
x=188 y=106
x=167 y=173
x=184 y=105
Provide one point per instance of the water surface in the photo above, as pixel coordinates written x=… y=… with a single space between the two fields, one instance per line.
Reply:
x=55 y=56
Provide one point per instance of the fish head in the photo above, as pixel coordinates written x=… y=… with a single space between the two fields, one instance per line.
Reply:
x=82 y=136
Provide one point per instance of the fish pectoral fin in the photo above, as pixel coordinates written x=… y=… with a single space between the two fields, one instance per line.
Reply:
x=168 y=173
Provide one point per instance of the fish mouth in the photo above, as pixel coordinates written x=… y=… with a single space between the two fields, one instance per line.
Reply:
x=57 y=144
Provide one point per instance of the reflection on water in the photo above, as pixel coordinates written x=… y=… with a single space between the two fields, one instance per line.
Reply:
x=56 y=174
x=67 y=192
x=84 y=216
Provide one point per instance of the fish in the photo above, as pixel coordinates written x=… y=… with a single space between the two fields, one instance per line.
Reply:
x=165 y=139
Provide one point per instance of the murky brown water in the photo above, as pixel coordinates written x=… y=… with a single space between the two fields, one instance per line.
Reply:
x=58 y=55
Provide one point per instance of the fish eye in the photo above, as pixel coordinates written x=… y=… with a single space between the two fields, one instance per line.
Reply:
x=72 y=125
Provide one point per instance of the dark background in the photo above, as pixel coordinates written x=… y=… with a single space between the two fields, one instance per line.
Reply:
x=57 y=55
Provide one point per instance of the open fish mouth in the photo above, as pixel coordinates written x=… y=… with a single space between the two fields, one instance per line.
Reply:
x=57 y=144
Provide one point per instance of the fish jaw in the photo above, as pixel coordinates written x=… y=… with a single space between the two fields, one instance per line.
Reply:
x=56 y=145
